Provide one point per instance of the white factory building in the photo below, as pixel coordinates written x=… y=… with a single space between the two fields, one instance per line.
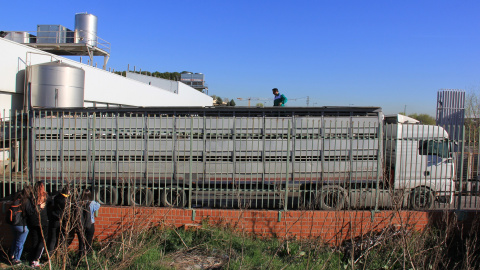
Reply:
x=100 y=86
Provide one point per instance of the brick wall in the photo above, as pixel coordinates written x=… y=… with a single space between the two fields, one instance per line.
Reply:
x=331 y=227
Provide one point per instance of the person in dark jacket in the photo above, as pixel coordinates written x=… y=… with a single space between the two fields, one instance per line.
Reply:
x=86 y=212
x=37 y=221
x=19 y=227
x=58 y=219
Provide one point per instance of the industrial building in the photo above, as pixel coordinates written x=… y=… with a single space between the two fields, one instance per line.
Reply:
x=33 y=74
x=195 y=80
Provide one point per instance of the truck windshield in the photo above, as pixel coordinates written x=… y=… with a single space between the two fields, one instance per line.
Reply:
x=434 y=148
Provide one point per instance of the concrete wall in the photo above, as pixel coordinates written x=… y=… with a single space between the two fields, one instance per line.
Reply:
x=100 y=85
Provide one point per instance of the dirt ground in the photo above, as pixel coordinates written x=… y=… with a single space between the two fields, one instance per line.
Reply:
x=197 y=259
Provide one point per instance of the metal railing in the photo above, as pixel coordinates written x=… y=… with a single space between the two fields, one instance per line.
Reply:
x=60 y=37
x=272 y=158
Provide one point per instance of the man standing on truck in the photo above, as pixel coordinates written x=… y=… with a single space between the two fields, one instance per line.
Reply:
x=279 y=99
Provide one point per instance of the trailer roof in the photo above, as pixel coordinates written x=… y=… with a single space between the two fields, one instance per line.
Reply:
x=228 y=111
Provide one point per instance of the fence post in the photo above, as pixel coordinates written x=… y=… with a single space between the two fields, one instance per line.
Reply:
x=190 y=165
x=289 y=157
x=462 y=152
x=379 y=160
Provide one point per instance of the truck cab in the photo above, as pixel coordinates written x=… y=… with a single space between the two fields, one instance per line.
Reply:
x=420 y=161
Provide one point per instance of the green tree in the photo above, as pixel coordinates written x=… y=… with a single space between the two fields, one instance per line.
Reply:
x=423 y=118
x=219 y=101
x=121 y=73
x=232 y=103
x=259 y=105
x=173 y=76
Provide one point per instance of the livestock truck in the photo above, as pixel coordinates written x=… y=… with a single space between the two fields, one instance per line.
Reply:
x=321 y=158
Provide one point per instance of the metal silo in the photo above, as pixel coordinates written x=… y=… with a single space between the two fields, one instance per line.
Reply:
x=86 y=28
x=55 y=84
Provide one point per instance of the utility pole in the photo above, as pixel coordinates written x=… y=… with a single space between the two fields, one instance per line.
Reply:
x=308 y=100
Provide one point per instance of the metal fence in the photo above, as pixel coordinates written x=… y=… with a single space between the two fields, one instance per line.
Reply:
x=328 y=158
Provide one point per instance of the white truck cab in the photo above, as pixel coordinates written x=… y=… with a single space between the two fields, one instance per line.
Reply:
x=420 y=161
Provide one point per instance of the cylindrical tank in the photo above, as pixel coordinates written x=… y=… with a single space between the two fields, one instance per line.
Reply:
x=86 y=28
x=56 y=85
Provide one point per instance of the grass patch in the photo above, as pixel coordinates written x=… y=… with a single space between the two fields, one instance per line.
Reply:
x=205 y=247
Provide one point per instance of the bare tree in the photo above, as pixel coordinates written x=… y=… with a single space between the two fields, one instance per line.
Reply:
x=472 y=103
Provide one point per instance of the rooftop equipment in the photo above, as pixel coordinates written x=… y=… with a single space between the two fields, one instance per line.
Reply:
x=86 y=29
x=20 y=36
x=51 y=33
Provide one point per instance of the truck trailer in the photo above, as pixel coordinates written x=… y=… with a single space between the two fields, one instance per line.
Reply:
x=326 y=158
x=321 y=158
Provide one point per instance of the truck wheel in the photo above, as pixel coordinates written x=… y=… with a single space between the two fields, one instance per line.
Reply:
x=331 y=198
x=173 y=197
x=106 y=195
x=307 y=200
x=421 y=198
x=143 y=196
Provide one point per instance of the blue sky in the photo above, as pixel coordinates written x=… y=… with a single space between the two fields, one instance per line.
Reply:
x=390 y=54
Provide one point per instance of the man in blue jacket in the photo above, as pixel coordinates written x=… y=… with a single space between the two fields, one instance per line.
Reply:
x=279 y=99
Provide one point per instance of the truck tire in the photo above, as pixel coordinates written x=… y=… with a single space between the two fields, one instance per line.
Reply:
x=106 y=195
x=173 y=197
x=307 y=200
x=331 y=198
x=421 y=198
x=143 y=197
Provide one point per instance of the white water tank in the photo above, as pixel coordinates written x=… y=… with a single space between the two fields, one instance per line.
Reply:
x=56 y=85
x=86 y=28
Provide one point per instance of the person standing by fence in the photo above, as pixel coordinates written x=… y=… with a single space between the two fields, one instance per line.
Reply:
x=17 y=218
x=37 y=221
x=58 y=223
x=86 y=209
